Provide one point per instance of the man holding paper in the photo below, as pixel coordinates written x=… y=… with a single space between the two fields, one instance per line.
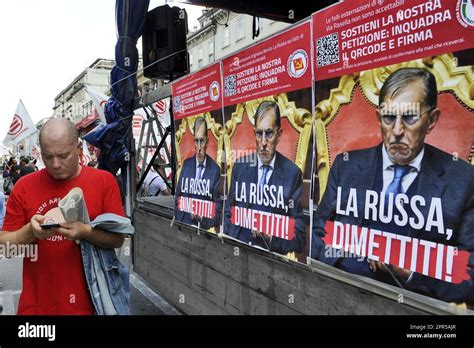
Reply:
x=56 y=282
x=407 y=198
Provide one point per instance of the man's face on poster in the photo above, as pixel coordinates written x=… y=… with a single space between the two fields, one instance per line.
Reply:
x=267 y=135
x=405 y=119
x=200 y=143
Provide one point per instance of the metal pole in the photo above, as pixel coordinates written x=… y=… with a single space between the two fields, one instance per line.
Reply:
x=142 y=179
x=173 y=154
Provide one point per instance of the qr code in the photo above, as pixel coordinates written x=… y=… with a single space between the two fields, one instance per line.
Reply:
x=230 y=83
x=328 y=50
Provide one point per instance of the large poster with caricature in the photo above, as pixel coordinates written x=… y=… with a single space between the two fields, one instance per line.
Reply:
x=394 y=122
x=197 y=111
x=267 y=139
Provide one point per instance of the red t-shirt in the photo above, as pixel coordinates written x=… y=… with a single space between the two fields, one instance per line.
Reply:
x=55 y=282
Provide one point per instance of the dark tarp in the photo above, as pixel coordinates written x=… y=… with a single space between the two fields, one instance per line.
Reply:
x=114 y=138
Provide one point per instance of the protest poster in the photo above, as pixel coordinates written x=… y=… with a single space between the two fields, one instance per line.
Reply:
x=268 y=143
x=394 y=124
x=197 y=113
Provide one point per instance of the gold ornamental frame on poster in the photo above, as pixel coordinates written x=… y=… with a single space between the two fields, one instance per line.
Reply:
x=187 y=123
x=299 y=118
x=456 y=80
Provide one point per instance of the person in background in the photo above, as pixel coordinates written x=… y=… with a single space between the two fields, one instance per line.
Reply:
x=35 y=167
x=15 y=173
x=2 y=208
x=8 y=167
x=25 y=167
x=154 y=183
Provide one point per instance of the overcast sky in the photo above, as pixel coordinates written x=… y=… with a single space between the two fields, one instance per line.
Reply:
x=45 y=44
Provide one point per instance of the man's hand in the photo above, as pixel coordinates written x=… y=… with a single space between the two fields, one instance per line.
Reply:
x=375 y=266
x=257 y=234
x=102 y=239
x=75 y=230
x=196 y=218
x=36 y=229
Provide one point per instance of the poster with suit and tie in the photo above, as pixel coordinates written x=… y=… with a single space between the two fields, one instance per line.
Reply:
x=394 y=123
x=197 y=112
x=267 y=140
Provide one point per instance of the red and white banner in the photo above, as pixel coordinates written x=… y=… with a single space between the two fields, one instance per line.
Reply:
x=440 y=261
x=21 y=127
x=162 y=110
x=36 y=154
x=85 y=157
x=275 y=225
x=35 y=151
x=137 y=124
x=361 y=35
x=197 y=93
x=196 y=206
x=278 y=64
x=99 y=100
x=161 y=107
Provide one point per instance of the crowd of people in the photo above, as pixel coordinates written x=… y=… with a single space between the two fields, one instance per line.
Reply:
x=12 y=171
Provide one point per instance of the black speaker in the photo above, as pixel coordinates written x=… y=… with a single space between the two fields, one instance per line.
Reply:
x=164 y=43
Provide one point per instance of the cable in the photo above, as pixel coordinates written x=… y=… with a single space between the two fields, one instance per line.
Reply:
x=145 y=67
x=394 y=276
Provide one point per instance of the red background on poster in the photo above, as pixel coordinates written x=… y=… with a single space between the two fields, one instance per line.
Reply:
x=288 y=50
x=359 y=33
x=194 y=92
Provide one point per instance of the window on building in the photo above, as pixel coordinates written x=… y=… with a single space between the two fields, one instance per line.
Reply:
x=240 y=27
x=190 y=60
x=211 y=51
x=87 y=109
x=200 y=62
x=226 y=37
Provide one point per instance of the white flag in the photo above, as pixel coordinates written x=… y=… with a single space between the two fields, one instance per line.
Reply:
x=36 y=154
x=35 y=151
x=21 y=127
x=85 y=154
x=98 y=99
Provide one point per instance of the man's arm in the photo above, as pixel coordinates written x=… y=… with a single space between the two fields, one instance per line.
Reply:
x=159 y=185
x=215 y=221
x=283 y=246
x=459 y=293
x=27 y=234
x=23 y=236
x=229 y=202
x=178 y=215
x=325 y=211
x=101 y=238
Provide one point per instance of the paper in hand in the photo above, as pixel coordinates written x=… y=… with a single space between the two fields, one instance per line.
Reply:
x=73 y=206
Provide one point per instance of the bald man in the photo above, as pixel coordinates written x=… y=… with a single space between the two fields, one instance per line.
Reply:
x=57 y=280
